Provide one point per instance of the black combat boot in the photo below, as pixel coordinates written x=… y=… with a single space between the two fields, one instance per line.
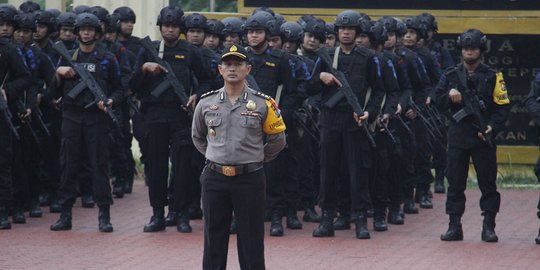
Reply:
x=379 y=221
x=195 y=213
x=18 y=215
x=292 y=219
x=55 y=206
x=104 y=218
x=343 y=221
x=172 y=218
x=409 y=207
x=4 y=221
x=361 y=228
x=488 y=228
x=454 y=232
x=537 y=239
x=439 y=182
x=394 y=215
x=118 y=187
x=234 y=226
x=87 y=201
x=276 y=226
x=183 y=222
x=45 y=199
x=425 y=198
x=64 y=223
x=35 y=210
x=326 y=228
x=310 y=215
x=157 y=221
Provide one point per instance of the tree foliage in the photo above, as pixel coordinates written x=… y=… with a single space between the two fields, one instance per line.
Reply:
x=204 y=5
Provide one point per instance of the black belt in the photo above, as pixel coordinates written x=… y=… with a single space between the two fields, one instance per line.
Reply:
x=233 y=170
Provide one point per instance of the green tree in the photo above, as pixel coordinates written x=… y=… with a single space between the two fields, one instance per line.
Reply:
x=204 y=5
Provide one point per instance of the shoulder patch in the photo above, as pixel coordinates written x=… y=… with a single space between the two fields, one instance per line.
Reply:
x=450 y=70
x=500 y=94
x=207 y=94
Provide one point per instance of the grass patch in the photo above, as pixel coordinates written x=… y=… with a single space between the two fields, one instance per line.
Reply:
x=509 y=177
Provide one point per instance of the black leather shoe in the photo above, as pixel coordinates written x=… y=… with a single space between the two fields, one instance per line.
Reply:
x=310 y=215
x=18 y=216
x=454 y=232
x=195 y=213
x=361 y=228
x=276 y=227
x=118 y=191
x=325 y=228
x=183 y=223
x=379 y=224
x=425 y=202
x=172 y=218
x=87 y=201
x=488 y=228
x=104 y=218
x=64 y=223
x=293 y=222
x=234 y=227
x=343 y=222
x=156 y=224
x=45 y=199
x=4 y=221
x=409 y=207
x=35 y=210
x=394 y=217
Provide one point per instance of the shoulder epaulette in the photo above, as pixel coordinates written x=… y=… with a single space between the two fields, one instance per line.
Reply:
x=267 y=97
x=450 y=70
x=207 y=94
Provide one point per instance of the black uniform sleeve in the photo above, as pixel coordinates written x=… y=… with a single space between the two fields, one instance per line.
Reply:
x=532 y=103
x=138 y=76
x=201 y=72
x=294 y=98
x=405 y=85
x=374 y=79
x=19 y=76
x=125 y=65
x=314 y=85
x=442 y=100
x=114 y=79
x=289 y=95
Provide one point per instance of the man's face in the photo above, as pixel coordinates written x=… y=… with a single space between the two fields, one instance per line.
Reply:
x=411 y=38
x=346 y=35
x=87 y=34
x=233 y=70
x=66 y=33
x=430 y=34
x=41 y=33
x=126 y=27
x=23 y=36
x=362 y=40
x=6 y=29
x=311 y=43
x=290 y=47
x=170 y=32
x=195 y=36
x=275 y=42
x=231 y=39
x=391 y=41
x=111 y=36
x=256 y=37
x=211 y=41
x=471 y=55
x=330 y=41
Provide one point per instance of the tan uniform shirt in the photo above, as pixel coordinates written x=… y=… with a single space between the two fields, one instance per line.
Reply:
x=250 y=130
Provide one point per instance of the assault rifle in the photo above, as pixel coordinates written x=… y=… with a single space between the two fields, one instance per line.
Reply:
x=87 y=81
x=7 y=116
x=346 y=89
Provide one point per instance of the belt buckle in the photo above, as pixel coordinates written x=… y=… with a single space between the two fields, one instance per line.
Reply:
x=228 y=170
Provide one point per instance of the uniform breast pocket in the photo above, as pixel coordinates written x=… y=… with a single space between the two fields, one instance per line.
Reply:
x=213 y=122
x=250 y=122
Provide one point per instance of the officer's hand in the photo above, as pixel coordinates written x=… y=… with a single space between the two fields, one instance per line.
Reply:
x=104 y=107
x=153 y=68
x=410 y=114
x=383 y=120
x=191 y=103
x=398 y=109
x=455 y=96
x=362 y=119
x=488 y=130
x=329 y=79
x=66 y=72
x=428 y=100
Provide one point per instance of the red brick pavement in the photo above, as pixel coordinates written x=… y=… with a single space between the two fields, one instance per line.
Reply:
x=415 y=245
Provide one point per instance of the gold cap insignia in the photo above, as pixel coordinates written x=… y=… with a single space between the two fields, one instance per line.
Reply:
x=251 y=105
x=233 y=48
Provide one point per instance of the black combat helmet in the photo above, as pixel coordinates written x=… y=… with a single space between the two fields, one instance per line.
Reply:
x=66 y=19
x=87 y=19
x=232 y=25
x=80 y=9
x=379 y=33
x=172 y=15
x=348 y=18
x=389 y=23
x=126 y=14
x=195 y=20
x=430 y=21
x=100 y=12
x=112 y=24
x=27 y=21
x=8 y=13
x=54 y=12
x=292 y=31
x=401 y=28
x=316 y=28
x=473 y=38
x=46 y=18
x=260 y=20
x=29 y=7
x=215 y=27
x=416 y=24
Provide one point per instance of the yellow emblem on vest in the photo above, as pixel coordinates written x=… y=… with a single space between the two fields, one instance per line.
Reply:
x=179 y=56
x=500 y=95
x=270 y=64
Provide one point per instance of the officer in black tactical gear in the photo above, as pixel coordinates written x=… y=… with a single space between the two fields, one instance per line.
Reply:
x=232 y=31
x=533 y=106
x=476 y=97
x=273 y=72
x=66 y=24
x=15 y=79
x=343 y=141
x=331 y=40
x=195 y=28
x=214 y=36
x=85 y=123
x=168 y=133
x=314 y=37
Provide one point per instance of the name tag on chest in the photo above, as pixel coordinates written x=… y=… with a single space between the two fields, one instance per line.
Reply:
x=91 y=67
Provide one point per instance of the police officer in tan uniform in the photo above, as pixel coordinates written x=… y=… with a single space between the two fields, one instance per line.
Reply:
x=237 y=129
